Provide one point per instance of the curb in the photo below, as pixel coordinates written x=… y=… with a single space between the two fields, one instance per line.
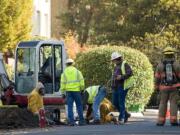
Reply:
x=152 y=110
x=133 y=114
x=137 y=114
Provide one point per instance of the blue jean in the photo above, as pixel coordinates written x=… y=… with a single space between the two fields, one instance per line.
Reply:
x=99 y=97
x=118 y=100
x=71 y=97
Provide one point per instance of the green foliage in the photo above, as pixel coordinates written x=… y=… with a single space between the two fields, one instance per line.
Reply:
x=15 y=22
x=146 y=25
x=104 y=22
x=97 y=69
x=153 y=44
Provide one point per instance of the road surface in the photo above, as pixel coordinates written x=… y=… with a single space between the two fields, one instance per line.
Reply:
x=145 y=125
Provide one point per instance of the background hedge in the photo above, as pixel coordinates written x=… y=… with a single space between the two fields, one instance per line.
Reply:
x=96 y=68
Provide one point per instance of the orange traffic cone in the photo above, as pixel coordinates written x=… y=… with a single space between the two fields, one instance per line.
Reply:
x=168 y=110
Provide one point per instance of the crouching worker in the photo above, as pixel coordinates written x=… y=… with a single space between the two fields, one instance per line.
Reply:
x=106 y=112
x=35 y=103
x=93 y=97
x=106 y=107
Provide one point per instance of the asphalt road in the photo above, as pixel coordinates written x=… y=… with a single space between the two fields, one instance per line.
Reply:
x=136 y=126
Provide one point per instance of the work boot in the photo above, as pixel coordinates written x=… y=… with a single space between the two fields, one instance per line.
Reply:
x=174 y=124
x=71 y=124
x=87 y=121
x=121 y=122
x=115 y=120
x=97 y=122
x=127 y=116
x=82 y=123
x=159 y=124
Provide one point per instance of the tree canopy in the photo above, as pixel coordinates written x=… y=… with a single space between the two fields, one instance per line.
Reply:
x=116 y=21
x=15 y=22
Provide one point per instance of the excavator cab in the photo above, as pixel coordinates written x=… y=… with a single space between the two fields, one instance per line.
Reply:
x=36 y=61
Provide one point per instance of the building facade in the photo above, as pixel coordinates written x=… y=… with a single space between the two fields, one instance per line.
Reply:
x=41 y=19
x=58 y=7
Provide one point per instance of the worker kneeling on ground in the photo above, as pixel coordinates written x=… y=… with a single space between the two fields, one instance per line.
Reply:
x=106 y=109
x=93 y=97
x=106 y=112
x=35 y=99
x=36 y=105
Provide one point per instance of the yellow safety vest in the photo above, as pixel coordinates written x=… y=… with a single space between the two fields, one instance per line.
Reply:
x=92 y=91
x=128 y=83
x=72 y=80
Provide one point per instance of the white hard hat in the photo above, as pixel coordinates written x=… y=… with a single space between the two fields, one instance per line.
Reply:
x=115 y=55
x=69 y=61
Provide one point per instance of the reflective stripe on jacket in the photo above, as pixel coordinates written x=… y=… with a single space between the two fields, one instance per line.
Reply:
x=128 y=83
x=35 y=101
x=92 y=91
x=72 y=79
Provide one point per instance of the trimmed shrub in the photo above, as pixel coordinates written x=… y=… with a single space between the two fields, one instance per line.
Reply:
x=96 y=66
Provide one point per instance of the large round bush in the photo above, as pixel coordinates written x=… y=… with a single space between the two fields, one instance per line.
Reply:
x=96 y=68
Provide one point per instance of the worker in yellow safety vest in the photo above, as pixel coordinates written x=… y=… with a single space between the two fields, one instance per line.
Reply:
x=72 y=83
x=92 y=97
x=105 y=107
x=121 y=83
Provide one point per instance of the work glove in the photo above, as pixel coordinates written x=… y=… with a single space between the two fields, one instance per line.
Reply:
x=119 y=77
x=36 y=113
x=84 y=107
x=158 y=92
x=158 y=97
x=63 y=96
x=82 y=92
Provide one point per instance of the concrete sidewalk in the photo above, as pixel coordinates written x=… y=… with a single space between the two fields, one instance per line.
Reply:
x=153 y=112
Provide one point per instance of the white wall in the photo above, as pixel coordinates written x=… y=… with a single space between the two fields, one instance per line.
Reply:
x=41 y=18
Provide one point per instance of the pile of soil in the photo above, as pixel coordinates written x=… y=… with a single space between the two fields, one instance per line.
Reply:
x=17 y=118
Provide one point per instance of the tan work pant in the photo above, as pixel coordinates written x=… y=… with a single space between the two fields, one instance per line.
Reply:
x=172 y=96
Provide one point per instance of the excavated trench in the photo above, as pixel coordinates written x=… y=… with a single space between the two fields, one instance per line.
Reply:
x=13 y=117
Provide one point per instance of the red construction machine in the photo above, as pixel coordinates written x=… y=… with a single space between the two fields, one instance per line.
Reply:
x=35 y=61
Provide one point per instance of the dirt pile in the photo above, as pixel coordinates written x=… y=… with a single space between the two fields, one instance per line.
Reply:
x=17 y=118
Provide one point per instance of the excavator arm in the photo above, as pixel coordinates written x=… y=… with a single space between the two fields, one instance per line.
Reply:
x=6 y=86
